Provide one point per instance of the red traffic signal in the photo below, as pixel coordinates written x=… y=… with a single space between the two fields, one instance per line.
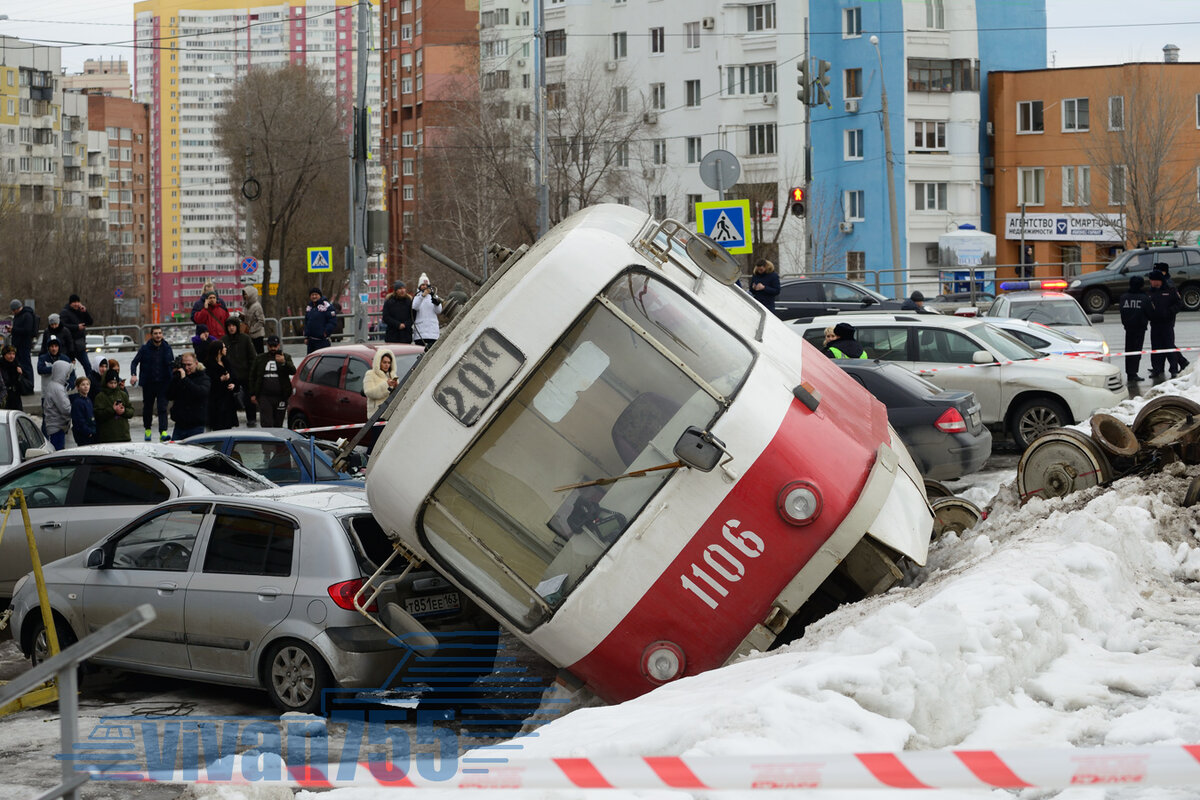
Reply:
x=799 y=200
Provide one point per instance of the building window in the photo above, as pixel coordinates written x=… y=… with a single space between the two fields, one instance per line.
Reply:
x=760 y=17
x=750 y=79
x=409 y=193
x=694 y=152
x=692 y=91
x=406 y=139
x=1031 y=186
x=1029 y=117
x=691 y=35
x=658 y=96
x=658 y=43
x=1075 y=114
x=406 y=166
x=762 y=139
x=943 y=75
x=619 y=45
x=854 y=145
x=851 y=23
x=929 y=135
x=1116 y=186
x=693 y=199
x=660 y=206
x=856 y=265
x=852 y=83
x=1076 y=186
x=620 y=157
x=1116 y=113
x=620 y=99
x=556 y=95
x=405 y=86
x=930 y=196
x=935 y=14
x=852 y=201
x=556 y=43
x=658 y=148
x=406 y=33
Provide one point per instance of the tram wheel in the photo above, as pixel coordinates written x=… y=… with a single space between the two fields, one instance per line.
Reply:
x=1060 y=462
x=1192 y=496
x=1161 y=413
x=1114 y=437
x=934 y=489
x=954 y=514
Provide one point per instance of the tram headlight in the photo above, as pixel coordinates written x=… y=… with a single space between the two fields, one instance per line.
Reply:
x=799 y=502
x=663 y=661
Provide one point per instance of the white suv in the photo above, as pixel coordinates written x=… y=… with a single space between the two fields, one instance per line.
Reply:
x=1018 y=388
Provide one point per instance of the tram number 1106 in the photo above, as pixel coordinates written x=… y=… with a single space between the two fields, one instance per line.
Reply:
x=726 y=566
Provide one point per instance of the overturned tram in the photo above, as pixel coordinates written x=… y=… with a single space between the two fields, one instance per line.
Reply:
x=635 y=467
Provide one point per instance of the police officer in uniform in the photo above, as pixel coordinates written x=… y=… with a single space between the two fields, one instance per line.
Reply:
x=1135 y=316
x=843 y=343
x=1165 y=303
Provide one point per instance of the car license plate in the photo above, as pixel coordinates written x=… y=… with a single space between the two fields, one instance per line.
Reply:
x=432 y=604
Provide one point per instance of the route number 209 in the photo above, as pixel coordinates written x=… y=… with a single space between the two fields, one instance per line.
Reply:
x=721 y=566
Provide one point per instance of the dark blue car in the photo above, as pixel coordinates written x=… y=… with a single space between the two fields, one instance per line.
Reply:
x=278 y=454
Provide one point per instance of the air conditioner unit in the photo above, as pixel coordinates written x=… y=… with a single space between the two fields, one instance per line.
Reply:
x=851 y=106
x=989 y=180
x=648 y=173
x=610 y=65
x=708 y=23
x=650 y=118
x=769 y=99
x=846 y=227
x=931 y=254
x=989 y=162
x=520 y=62
x=991 y=131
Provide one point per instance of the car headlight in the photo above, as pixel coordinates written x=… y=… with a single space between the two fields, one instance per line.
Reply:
x=1095 y=381
x=799 y=502
x=1104 y=347
x=21 y=581
x=663 y=661
x=1075 y=284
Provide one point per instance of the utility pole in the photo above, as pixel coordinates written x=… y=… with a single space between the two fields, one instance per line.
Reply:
x=539 y=111
x=808 y=236
x=891 y=169
x=356 y=253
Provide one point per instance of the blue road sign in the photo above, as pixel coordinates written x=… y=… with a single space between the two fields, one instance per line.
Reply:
x=249 y=265
x=726 y=222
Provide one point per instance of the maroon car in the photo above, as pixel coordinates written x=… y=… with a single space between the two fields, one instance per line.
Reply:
x=327 y=388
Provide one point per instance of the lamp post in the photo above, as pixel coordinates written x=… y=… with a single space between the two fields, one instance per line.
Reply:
x=891 y=168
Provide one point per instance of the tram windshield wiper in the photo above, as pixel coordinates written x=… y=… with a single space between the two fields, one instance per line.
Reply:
x=637 y=473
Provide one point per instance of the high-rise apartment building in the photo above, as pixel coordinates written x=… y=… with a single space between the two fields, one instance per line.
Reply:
x=426 y=47
x=31 y=107
x=188 y=57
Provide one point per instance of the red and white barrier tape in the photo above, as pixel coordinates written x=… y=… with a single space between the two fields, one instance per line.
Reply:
x=1094 y=356
x=1156 y=765
x=351 y=427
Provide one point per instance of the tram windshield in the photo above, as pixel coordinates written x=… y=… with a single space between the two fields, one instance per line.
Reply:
x=612 y=397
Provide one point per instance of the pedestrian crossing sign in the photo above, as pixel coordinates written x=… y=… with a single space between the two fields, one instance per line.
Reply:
x=320 y=259
x=726 y=222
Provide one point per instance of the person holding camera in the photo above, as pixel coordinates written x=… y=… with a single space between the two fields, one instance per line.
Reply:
x=113 y=410
x=426 y=306
x=188 y=392
x=271 y=383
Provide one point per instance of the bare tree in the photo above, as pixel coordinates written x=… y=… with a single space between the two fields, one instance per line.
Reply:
x=1146 y=182
x=824 y=226
x=285 y=129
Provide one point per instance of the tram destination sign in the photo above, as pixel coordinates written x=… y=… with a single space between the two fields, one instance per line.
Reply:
x=474 y=381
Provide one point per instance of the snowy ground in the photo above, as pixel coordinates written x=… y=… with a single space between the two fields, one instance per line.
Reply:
x=1058 y=624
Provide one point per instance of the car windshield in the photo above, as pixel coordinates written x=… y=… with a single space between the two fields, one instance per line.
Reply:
x=1008 y=346
x=1051 y=312
x=222 y=475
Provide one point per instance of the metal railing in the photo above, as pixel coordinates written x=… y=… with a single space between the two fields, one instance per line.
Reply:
x=62 y=668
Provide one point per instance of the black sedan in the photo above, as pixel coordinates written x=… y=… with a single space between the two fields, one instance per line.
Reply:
x=811 y=297
x=941 y=429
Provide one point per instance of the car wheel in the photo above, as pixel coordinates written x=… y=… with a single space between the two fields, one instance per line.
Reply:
x=1095 y=301
x=296 y=677
x=298 y=421
x=1190 y=293
x=39 y=650
x=1034 y=417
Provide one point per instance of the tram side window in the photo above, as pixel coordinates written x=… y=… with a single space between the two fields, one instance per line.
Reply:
x=605 y=401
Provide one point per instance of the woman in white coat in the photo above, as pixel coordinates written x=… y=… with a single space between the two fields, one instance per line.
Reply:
x=380 y=380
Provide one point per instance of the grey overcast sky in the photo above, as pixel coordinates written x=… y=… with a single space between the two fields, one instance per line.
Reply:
x=1080 y=32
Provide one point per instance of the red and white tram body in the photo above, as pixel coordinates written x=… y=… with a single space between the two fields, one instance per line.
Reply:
x=587 y=358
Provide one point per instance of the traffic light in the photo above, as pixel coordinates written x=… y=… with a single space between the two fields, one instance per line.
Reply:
x=822 y=93
x=799 y=200
x=804 y=94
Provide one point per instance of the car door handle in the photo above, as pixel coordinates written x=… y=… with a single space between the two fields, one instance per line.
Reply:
x=167 y=587
x=50 y=525
x=268 y=592
x=344 y=400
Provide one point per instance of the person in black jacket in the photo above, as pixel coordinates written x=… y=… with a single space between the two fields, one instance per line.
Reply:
x=154 y=358
x=397 y=315
x=76 y=319
x=224 y=388
x=764 y=283
x=1165 y=303
x=915 y=302
x=189 y=397
x=843 y=344
x=66 y=342
x=1135 y=316
x=24 y=330
x=11 y=375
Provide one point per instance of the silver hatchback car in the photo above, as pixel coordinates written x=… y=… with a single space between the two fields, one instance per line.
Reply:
x=251 y=591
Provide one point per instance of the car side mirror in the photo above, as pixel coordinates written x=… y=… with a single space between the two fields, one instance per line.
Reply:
x=95 y=558
x=869 y=301
x=1096 y=317
x=982 y=357
x=1123 y=270
x=699 y=449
